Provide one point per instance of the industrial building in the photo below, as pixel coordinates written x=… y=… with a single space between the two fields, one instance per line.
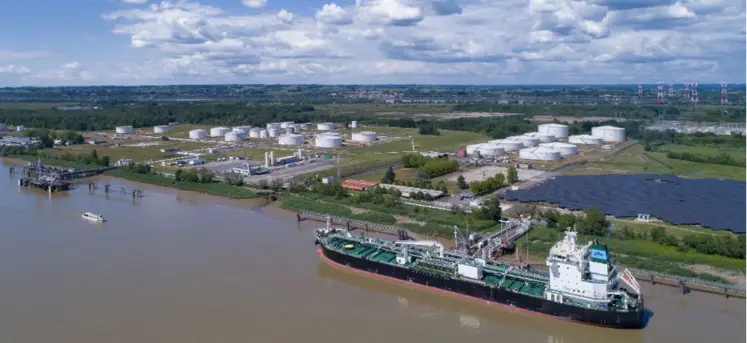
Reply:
x=485 y=150
x=565 y=149
x=560 y=131
x=325 y=126
x=508 y=145
x=539 y=153
x=123 y=130
x=161 y=129
x=197 y=134
x=609 y=133
x=406 y=191
x=328 y=140
x=291 y=139
x=585 y=140
x=543 y=137
x=359 y=185
x=365 y=137
x=218 y=131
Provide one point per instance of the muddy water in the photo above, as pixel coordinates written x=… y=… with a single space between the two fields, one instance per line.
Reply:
x=179 y=267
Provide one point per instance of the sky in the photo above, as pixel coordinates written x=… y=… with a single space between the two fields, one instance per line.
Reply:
x=481 y=42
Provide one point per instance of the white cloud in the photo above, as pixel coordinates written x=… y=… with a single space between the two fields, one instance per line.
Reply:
x=255 y=3
x=14 y=69
x=423 y=41
x=135 y=2
x=71 y=65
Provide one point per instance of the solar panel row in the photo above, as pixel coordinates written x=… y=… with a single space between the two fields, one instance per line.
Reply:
x=714 y=203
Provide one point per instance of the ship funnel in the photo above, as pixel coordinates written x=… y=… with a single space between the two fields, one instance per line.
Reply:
x=630 y=280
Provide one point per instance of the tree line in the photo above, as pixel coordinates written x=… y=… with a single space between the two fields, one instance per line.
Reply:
x=430 y=166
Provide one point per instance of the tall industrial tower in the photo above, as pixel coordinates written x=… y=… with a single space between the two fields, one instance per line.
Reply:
x=724 y=94
x=686 y=91
x=659 y=93
x=671 y=91
x=694 y=93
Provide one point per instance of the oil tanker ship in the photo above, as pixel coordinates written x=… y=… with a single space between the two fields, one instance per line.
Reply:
x=582 y=284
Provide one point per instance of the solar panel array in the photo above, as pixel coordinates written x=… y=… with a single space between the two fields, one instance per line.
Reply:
x=714 y=203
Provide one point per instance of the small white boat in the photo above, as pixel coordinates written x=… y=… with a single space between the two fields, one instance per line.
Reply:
x=93 y=217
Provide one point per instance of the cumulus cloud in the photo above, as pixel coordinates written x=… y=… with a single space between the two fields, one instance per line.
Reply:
x=14 y=69
x=425 y=41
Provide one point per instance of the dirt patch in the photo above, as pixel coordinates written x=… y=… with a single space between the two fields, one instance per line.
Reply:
x=731 y=276
x=405 y=220
x=356 y=210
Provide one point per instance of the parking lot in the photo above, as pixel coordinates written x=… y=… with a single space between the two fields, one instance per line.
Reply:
x=282 y=172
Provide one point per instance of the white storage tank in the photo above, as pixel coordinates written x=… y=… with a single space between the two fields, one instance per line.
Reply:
x=564 y=148
x=218 y=131
x=290 y=130
x=609 y=133
x=325 y=126
x=286 y=124
x=198 y=134
x=508 y=145
x=543 y=137
x=539 y=153
x=328 y=140
x=560 y=131
x=240 y=130
x=291 y=139
x=273 y=133
x=364 y=137
x=124 y=130
x=161 y=129
x=528 y=142
x=263 y=134
x=354 y=124
x=234 y=137
x=585 y=140
x=305 y=126
x=275 y=126
x=485 y=149
x=254 y=132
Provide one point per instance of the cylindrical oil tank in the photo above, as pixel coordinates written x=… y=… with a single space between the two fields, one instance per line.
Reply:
x=273 y=133
x=305 y=126
x=543 y=137
x=291 y=139
x=585 y=140
x=485 y=149
x=290 y=130
x=254 y=132
x=286 y=124
x=564 y=148
x=528 y=142
x=354 y=124
x=218 y=131
x=263 y=134
x=161 y=129
x=124 y=130
x=364 y=137
x=508 y=145
x=609 y=133
x=328 y=140
x=325 y=126
x=234 y=137
x=539 y=153
x=560 y=131
x=240 y=130
x=275 y=126
x=198 y=134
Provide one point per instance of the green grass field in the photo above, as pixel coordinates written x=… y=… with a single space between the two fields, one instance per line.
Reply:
x=736 y=153
x=636 y=160
x=446 y=141
x=137 y=153
x=671 y=229
x=384 y=110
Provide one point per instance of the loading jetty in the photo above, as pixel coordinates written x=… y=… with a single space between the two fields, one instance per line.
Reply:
x=53 y=179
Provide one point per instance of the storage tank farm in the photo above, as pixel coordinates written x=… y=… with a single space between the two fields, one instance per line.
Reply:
x=610 y=134
x=364 y=137
x=123 y=130
x=325 y=126
x=291 y=139
x=328 y=140
x=540 y=154
x=585 y=140
x=254 y=132
x=526 y=141
x=565 y=149
x=485 y=150
x=543 y=137
x=218 y=131
x=161 y=129
x=508 y=145
x=198 y=134
x=560 y=131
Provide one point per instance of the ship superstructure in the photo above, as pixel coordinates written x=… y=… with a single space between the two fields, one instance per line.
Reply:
x=582 y=283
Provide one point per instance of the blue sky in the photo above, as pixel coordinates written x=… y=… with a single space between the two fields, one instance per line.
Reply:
x=81 y=42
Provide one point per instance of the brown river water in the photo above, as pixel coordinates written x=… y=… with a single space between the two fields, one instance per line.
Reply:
x=181 y=267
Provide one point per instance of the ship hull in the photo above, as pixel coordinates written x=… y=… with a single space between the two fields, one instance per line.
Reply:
x=513 y=300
